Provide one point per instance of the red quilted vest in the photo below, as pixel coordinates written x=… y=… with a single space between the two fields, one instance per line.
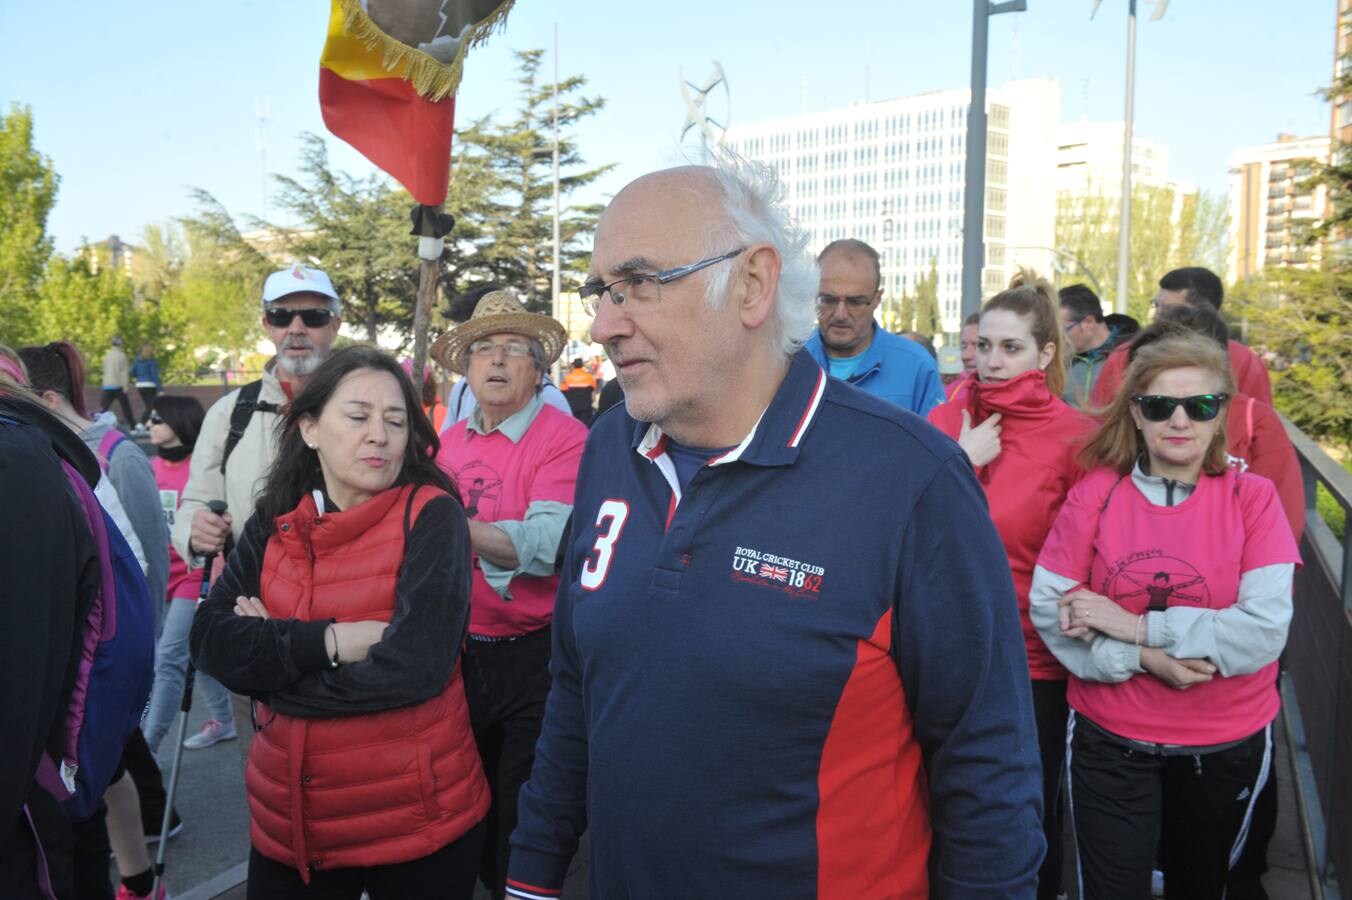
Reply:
x=368 y=789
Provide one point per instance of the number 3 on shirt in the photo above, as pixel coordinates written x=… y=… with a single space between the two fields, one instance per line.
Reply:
x=598 y=561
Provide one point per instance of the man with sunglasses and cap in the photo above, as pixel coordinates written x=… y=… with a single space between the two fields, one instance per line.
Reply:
x=301 y=314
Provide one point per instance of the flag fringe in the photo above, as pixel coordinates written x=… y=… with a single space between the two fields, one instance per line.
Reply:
x=431 y=78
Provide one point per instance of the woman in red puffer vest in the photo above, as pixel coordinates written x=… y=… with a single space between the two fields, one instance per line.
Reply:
x=342 y=612
x=1022 y=440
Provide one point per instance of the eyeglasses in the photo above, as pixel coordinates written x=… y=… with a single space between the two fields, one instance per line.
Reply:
x=282 y=317
x=1199 y=407
x=642 y=289
x=488 y=348
x=156 y=419
x=827 y=302
x=1072 y=326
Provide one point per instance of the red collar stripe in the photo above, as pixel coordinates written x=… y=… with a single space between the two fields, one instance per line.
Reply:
x=811 y=409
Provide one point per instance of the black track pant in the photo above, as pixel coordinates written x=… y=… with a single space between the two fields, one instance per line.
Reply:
x=1125 y=801
x=447 y=874
x=1050 y=710
x=506 y=683
x=111 y=394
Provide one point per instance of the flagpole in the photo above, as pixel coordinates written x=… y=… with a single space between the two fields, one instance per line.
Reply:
x=1124 y=227
x=555 y=283
x=427 y=290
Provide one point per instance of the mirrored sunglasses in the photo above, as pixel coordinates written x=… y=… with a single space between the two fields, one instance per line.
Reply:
x=1199 y=407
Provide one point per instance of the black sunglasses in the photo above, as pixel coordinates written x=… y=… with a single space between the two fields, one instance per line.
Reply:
x=281 y=317
x=1199 y=407
x=156 y=419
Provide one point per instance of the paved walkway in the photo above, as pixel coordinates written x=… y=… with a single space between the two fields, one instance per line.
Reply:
x=207 y=859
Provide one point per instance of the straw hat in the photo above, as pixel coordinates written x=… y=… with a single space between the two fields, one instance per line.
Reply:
x=498 y=312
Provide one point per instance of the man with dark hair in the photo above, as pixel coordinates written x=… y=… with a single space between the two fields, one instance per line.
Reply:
x=1089 y=336
x=579 y=387
x=1194 y=286
x=1190 y=284
x=850 y=346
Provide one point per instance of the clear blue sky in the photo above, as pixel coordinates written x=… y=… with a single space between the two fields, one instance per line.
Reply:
x=136 y=101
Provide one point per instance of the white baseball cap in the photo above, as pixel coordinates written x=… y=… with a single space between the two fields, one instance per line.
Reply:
x=298 y=279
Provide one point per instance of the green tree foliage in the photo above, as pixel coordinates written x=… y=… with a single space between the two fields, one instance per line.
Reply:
x=920 y=311
x=1303 y=319
x=86 y=301
x=199 y=283
x=927 y=319
x=27 y=191
x=509 y=221
x=1168 y=230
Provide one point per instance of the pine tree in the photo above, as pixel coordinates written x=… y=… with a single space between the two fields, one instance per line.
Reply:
x=512 y=221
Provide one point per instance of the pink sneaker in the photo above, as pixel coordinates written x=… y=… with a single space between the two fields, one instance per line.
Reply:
x=124 y=893
x=212 y=732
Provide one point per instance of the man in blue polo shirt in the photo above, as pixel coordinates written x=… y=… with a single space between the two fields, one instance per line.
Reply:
x=787 y=659
x=850 y=345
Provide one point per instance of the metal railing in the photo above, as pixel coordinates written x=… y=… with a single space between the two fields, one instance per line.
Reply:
x=1319 y=664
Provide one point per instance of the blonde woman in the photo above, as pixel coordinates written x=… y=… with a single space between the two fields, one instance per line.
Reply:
x=1165 y=588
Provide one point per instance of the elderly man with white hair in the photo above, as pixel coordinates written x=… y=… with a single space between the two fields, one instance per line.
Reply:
x=787 y=660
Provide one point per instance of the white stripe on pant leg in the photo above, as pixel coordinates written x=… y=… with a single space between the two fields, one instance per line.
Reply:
x=1263 y=772
x=1070 y=801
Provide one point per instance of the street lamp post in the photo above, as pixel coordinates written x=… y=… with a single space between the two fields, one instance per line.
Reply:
x=974 y=191
x=554 y=287
x=1124 y=228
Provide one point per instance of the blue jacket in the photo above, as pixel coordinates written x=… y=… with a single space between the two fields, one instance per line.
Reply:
x=894 y=368
x=145 y=370
x=783 y=680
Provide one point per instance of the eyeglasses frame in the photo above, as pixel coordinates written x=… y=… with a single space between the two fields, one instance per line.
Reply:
x=591 y=293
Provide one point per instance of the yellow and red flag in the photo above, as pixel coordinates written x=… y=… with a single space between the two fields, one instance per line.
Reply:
x=387 y=81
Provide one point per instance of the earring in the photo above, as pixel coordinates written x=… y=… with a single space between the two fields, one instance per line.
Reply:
x=311 y=446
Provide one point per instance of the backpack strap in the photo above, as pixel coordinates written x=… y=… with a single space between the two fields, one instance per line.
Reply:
x=107 y=444
x=246 y=404
x=459 y=391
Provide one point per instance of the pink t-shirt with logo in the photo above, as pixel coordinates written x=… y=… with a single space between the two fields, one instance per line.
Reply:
x=1110 y=537
x=170 y=477
x=498 y=480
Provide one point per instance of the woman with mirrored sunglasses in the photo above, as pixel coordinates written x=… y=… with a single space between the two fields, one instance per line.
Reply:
x=1165 y=588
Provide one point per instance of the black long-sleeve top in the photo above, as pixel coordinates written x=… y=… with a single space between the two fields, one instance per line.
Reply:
x=284 y=661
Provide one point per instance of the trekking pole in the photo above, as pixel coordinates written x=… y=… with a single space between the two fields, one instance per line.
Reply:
x=185 y=706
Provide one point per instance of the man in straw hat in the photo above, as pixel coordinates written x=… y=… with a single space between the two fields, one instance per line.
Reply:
x=515 y=462
x=460 y=402
x=787 y=657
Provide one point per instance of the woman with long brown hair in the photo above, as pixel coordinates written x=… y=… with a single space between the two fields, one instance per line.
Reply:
x=341 y=612
x=1023 y=439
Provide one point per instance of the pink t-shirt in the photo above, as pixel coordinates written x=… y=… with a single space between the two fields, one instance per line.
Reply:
x=170 y=477
x=498 y=480
x=1192 y=554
